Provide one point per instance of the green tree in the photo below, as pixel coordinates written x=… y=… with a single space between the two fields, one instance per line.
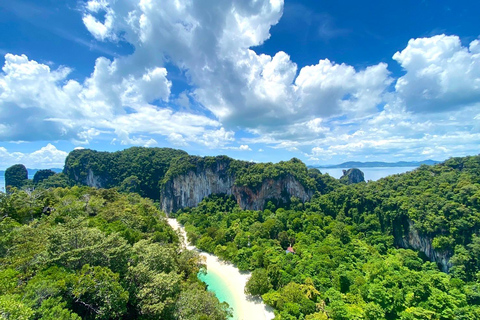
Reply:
x=197 y=304
x=130 y=184
x=258 y=283
x=373 y=311
x=55 y=309
x=13 y=308
x=98 y=293
x=43 y=174
x=156 y=298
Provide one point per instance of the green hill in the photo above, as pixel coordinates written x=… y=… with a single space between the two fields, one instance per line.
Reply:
x=353 y=246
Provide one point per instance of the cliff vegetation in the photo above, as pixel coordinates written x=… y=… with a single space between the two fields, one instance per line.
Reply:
x=135 y=169
x=16 y=176
x=246 y=174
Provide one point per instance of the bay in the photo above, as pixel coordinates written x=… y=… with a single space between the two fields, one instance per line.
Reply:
x=228 y=284
x=373 y=173
x=221 y=290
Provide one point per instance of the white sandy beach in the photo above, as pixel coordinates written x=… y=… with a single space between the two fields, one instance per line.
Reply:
x=246 y=309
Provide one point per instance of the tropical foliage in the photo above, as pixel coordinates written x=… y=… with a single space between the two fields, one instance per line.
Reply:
x=95 y=254
x=139 y=168
x=83 y=253
x=347 y=262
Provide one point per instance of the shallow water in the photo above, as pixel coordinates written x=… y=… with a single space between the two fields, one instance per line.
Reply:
x=220 y=288
x=228 y=284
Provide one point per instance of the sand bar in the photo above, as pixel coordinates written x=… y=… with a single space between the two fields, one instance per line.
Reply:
x=246 y=307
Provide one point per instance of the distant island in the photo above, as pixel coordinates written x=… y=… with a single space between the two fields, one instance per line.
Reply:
x=358 y=164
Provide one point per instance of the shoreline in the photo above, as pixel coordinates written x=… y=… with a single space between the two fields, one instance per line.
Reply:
x=248 y=308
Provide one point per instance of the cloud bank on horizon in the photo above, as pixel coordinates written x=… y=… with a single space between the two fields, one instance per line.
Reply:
x=238 y=99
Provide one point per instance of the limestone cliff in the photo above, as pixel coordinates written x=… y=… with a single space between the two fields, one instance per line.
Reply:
x=90 y=179
x=191 y=187
x=411 y=239
x=188 y=189
x=93 y=180
x=144 y=167
x=279 y=189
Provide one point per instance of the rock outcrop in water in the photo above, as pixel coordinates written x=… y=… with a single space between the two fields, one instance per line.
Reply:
x=16 y=176
x=352 y=176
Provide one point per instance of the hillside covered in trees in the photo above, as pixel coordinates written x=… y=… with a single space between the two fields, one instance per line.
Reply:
x=348 y=261
x=134 y=169
x=404 y=247
x=85 y=253
x=146 y=170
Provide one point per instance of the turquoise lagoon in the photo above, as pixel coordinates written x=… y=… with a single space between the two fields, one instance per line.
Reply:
x=216 y=285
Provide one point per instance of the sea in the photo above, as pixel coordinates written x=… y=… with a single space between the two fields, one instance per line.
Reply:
x=373 y=173
x=220 y=289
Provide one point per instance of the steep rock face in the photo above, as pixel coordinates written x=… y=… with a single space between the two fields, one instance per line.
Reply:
x=278 y=189
x=90 y=179
x=413 y=240
x=352 y=176
x=189 y=189
x=93 y=180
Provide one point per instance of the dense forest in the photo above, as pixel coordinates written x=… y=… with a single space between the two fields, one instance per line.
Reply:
x=134 y=169
x=348 y=263
x=248 y=174
x=85 y=253
x=349 y=248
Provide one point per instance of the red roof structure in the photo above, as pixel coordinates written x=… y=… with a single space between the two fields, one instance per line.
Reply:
x=290 y=250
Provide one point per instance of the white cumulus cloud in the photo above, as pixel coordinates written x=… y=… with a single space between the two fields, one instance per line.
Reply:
x=243 y=89
x=38 y=103
x=441 y=74
x=331 y=89
x=329 y=109
x=46 y=157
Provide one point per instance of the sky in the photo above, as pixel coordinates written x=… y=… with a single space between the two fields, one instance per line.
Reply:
x=260 y=80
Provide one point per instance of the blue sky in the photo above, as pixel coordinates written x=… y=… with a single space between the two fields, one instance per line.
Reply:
x=263 y=80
